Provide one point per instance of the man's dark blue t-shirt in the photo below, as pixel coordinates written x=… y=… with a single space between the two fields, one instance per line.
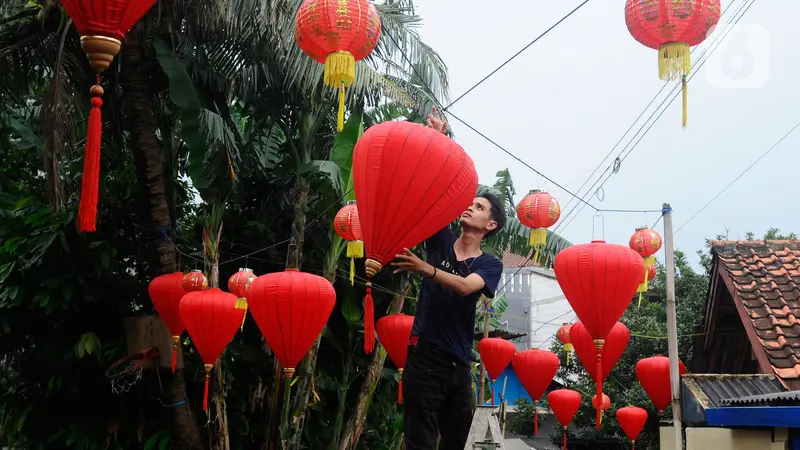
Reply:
x=444 y=318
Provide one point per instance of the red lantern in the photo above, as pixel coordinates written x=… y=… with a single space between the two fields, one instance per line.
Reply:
x=194 y=281
x=496 y=355
x=166 y=292
x=102 y=25
x=565 y=404
x=290 y=309
x=646 y=242
x=612 y=351
x=563 y=336
x=672 y=27
x=348 y=227
x=535 y=369
x=238 y=284
x=601 y=408
x=392 y=163
x=394 y=332
x=632 y=420
x=653 y=375
x=599 y=281
x=337 y=34
x=538 y=211
x=211 y=319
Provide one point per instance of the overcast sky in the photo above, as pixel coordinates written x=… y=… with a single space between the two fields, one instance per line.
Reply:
x=567 y=100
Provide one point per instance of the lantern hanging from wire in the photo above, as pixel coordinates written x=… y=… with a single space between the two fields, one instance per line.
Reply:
x=166 y=292
x=601 y=407
x=394 y=333
x=194 y=281
x=392 y=163
x=564 y=403
x=348 y=227
x=653 y=375
x=646 y=242
x=616 y=342
x=238 y=284
x=563 y=336
x=672 y=27
x=337 y=34
x=632 y=420
x=496 y=354
x=102 y=25
x=538 y=211
x=535 y=369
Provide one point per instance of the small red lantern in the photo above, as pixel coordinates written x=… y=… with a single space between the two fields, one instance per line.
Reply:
x=166 y=292
x=348 y=227
x=653 y=375
x=337 y=34
x=632 y=420
x=238 y=284
x=646 y=242
x=392 y=163
x=394 y=332
x=195 y=281
x=211 y=318
x=602 y=407
x=672 y=27
x=496 y=355
x=612 y=351
x=290 y=309
x=563 y=336
x=535 y=369
x=564 y=403
x=538 y=211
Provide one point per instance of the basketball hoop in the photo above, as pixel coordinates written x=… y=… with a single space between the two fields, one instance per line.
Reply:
x=127 y=371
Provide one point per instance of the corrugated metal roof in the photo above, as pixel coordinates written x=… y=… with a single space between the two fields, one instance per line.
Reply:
x=779 y=398
x=711 y=389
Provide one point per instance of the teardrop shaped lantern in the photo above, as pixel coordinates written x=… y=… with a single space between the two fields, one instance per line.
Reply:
x=496 y=355
x=563 y=336
x=602 y=407
x=538 y=211
x=195 y=281
x=394 y=333
x=348 y=227
x=410 y=181
x=238 y=284
x=632 y=420
x=535 y=369
x=646 y=242
x=616 y=342
x=653 y=375
x=166 y=292
x=564 y=403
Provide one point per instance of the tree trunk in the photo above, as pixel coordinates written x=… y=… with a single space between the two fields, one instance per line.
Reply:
x=482 y=379
x=135 y=83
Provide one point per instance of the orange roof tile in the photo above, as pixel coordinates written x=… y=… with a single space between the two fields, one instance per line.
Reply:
x=512 y=260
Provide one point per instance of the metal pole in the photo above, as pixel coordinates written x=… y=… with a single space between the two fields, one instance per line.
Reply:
x=672 y=325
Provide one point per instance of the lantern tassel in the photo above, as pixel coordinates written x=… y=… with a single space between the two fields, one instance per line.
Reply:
x=400 y=390
x=369 y=321
x=352 y=271
x=90 y=182
x=205 y=389
x=568 y=347
x=633 y=445
x=685 y=92
x=241 y=303
x=355 y=249
x=599 y=389
x=492 y=393
x=175 y=343
x=340 y=115
x=536 y=417
x=565 y=438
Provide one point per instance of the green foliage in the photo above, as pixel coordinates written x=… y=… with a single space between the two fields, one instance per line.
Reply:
x=521 y=421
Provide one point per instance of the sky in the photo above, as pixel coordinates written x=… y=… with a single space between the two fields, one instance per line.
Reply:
x=564 y=103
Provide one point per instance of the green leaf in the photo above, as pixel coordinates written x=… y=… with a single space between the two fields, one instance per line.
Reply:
x=88 y=344
x=5 y=270
x=350 y=309
x=328 y=170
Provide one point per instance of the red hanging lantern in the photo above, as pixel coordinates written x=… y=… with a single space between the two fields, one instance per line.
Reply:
x=646 y=242
x=535 y=369
x=672 y=27
x=496 y=355
x=563 y=336
x=102 y=25
x=166 y=292
x=585 y=273
x=538 y=211
x=564 y=403
x=394 y=332
x=211 y=319
x=348 y=227
x=392 y=163
x=632 y=420
x=653 y=375
x=601 y=408
x=616 y=342
x=337 y=34
x=238 y=284
x=195 y=281
x=290 y=309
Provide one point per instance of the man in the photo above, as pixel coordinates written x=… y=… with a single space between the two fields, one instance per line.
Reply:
x=437 y=381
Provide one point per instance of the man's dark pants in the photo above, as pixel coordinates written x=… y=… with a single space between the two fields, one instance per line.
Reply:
x=437 y=393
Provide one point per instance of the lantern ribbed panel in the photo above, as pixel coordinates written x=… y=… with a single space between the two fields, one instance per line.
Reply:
x=394 y=332
x=645 y=241
x=632 y=420
x=240 y=282
x=616 y=342
x=346 y=223
x=564 y=403
x=653 y=375
x=108 y=18
x=657 y=22
x=496 y=355
x=166 y=292
x=538 y=210
x=323 y=27
x=211 y=318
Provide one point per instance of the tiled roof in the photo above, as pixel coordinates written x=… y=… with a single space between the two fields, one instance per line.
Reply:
x=512 y=260
x=711 y=390
x=766 y=278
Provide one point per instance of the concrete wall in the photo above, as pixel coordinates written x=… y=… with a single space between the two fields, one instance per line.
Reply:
x=727 y=439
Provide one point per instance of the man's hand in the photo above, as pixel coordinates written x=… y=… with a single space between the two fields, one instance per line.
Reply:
x=409 y=262
x=435 y=121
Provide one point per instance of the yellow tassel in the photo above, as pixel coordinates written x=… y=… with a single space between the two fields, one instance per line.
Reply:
x=639 y=305
x=674 y=60
x=352 y=271
x=649 y=261
x=536 y=256
x=355 y=249
x=568 y=350
x=340 y=69
x=241 y=303
x=538 y=237
x=685 y=92
x=340 y=116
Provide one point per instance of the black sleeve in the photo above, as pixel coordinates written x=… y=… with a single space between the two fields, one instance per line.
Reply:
x=490 y=272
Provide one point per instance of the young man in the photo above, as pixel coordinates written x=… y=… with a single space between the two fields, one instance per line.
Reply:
x=437 y=381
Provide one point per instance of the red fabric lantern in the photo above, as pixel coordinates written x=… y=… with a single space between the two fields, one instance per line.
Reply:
x=394 y=162
x=672 y=27
x=166 y=292
x=211 y=318
x=612 y=351
x=632 y=420
x=564 y=403
x=599 y=281
x=102 y=25
x=496 y=355
x=394 y=332
x=653 y=375
x=601 y=409
x=646 y=242
x=337 y=34
x=535 y=369
x=290 y=309
x=538 y=211
x=238 y=284
x=194 y=281
x=563 y=336
x=348 y=227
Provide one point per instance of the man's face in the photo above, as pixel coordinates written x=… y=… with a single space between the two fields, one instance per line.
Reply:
x=478 y=216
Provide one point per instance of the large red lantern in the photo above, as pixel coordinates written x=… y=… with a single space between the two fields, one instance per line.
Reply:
x=348 y=227
x=496 y=355
x=195 y=281
x=538 y=211
x=564 y=403
x=632 y=420
x=601 y=406
x=653 y=375
x=672 y=27
x=166 y=292
x=535 y=369
x=646 y=242
x=616 y=342
x=394 y=162
x=102 y=25
x=290 y=309
x=394 y=332
x=563 y=336
x=599 y=281
x=211 y=318
x=337 y=34
x=238 y=284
